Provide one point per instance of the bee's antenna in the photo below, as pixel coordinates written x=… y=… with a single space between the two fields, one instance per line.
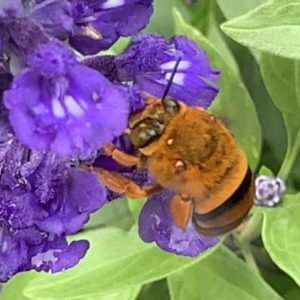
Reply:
x=166 y=91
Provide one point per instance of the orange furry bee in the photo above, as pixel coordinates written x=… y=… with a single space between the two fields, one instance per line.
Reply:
x=188 y=150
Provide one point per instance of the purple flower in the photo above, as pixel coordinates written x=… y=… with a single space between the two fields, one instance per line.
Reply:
x=150 y=60
x=24 y=35
x=11 y=8
x=54 y=16
x=156 y=225
x=55 y=254
x=134 y=97
x=100 y=23
x=105 y=64
x=42 y=200
x=61 y=105
x=6 y=132
x=269 y=190
x=25 y=28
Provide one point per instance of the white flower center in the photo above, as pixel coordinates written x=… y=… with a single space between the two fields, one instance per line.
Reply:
x=57 y=108
x=112 y=4
x=73 y=107
x=178 y=78
x=183 y=65
x=45 y=257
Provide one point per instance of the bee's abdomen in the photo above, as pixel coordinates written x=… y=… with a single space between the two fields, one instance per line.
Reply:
x=230 y=213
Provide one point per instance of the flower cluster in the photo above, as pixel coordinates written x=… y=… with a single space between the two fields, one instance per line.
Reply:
x=58 y=108
x=42 y=200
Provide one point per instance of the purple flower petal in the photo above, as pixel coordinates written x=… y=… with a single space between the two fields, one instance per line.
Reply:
x=10 y=8
x=156 y=225
x=100 y=24
x=70 y=211
x=144 y=54
x=4 y=37
x=55 y=17
x=150 y=60
x=13 y=255
x=138 y=16
x=70 y=258
x=87 y=45
x=64 y=107
x=26 y=35
x=56 y=255
x=134 y=97
x=86 y=191
x=51 y=60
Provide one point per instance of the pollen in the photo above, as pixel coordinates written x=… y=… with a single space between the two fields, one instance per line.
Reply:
x=185 y=197
x=179 y=165
x=170 y=142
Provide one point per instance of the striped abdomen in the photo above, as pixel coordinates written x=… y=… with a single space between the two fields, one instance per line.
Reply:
x=230 y=213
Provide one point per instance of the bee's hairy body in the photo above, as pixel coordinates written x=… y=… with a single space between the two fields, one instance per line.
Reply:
x=194 y=154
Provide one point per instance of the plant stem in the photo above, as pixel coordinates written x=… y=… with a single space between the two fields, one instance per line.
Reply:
x=251 y=232
x=290 y=157
x=245 y=248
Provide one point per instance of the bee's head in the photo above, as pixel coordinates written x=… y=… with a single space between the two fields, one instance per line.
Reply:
x=149 y=125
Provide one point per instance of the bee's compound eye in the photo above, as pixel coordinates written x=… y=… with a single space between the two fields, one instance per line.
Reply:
x=171 y=105
x=146 y=136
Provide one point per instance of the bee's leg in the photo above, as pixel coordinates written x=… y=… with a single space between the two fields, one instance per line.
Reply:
x=181 y=209
x=120 y=184
x=120 y=157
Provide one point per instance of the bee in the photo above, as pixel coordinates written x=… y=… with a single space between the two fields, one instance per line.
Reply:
x=187 y=149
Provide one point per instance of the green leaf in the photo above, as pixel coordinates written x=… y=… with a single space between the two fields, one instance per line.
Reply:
x=196 y=13
x=233 y=97
x=282 y=77
x=162 y=11
x=135 y=206
x=116 y=260
x=154 y=291
x=281 y=235
x=200 y=15
x=281 y=282
x=265 y=171
x=235 y=8
x=270 y=117
x=117 y=47
x=13 y=289
x=272 y=27
x=292 y=294
x=215 y=37
x=115 y=213
x=220 y=276
x=129 y=293
x=273 y=130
